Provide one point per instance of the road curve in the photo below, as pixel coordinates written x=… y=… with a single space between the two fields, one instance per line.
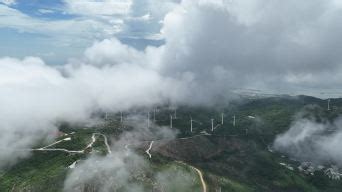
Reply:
x=204 y=185
x=106 y=142
x=200 y=174
x=90 y=145
x=148 y=150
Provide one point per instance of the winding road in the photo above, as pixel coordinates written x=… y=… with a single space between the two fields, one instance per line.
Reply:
x=200 y=174
x=148 y=150
x=204 y=185
x=93 y=140
x=105 y=141
x=66 y=139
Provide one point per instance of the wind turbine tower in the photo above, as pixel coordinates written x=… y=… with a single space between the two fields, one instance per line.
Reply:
x=234 y=120
x=212 y=124
x=328 y=104
x=222 y=118
x=170 y=121
x=121 y=118
x=191 y=124
x=148 y=120
x=154 y=115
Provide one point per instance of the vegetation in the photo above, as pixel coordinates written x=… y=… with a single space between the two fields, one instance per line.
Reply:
x=238 y=158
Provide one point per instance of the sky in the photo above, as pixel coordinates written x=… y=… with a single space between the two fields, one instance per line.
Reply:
x=295 y=43
x=66 y=60
x=59 y=29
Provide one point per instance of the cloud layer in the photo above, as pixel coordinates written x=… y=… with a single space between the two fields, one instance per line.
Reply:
x=35 y=97
x=125 y=170
x=105 y=7
x=309 y=140
x=282 y=46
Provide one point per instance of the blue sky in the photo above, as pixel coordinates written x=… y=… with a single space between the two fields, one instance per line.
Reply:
x=42 y=9
x=57 y=30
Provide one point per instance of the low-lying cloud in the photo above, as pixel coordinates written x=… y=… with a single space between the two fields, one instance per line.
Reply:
x=34 y=96
x=124 y=169
x=309 y=140
x=108 y=173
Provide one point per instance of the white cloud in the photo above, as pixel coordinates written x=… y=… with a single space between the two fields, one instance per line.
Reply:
x=8 y=2
x=82 y=28
x=46 y=11
x=111 y=51
x=110 y=173
x=308 y=140
x=254 y=44
x=122 y=162
x=88 y=22
x=96 y=7
x=35 y=96
x=145 y=18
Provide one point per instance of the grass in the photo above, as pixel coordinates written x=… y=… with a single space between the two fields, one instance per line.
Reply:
x=41 y=170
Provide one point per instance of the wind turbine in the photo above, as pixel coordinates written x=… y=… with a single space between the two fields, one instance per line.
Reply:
x=212 y=125
x=106 y=116
x=121 y=118
x=190 y=124
x=148 y=119
x=222 y=115
x=234 y=120
x=170 y=121
x=192 y=121
x=154 y=115
x=328 y=104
